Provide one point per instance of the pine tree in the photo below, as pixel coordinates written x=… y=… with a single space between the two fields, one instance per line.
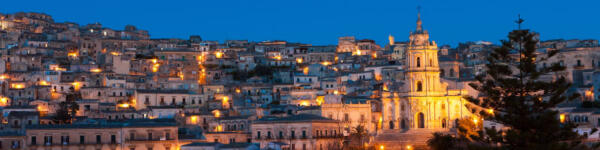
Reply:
x=514 y=95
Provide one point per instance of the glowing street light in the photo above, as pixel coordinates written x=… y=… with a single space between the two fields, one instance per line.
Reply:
x=219 y=54
x=96 y=70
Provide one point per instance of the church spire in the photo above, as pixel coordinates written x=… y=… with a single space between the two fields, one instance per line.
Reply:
x=419 y=23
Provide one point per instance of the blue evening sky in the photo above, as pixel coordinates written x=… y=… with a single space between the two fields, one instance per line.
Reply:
x=320 y=22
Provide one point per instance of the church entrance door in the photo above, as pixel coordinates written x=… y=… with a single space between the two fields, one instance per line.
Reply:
x=421 y=120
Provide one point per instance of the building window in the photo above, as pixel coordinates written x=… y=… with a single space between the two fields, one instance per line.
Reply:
x=64 y=140
x=304 y=134
x=98 y=139
x=268 y=134
x=150 y=136
x=346 y=117
x=281 y=134
x=82 y=139
x=113 y=139
x=293 y=134
x=430 y=63
x=34 y=140
x=419 y=86
x=131 y=136
x=418 y=62
x=257 y=134
x=47 y=140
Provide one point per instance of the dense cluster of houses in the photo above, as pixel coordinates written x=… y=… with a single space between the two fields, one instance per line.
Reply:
x=134 y=92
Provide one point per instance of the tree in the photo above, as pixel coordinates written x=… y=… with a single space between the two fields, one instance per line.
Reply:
x=441 y=141
x=357 y=137
x=67 y=109
x=516 y=97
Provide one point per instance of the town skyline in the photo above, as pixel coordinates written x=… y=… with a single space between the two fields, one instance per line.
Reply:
x=462 y=26
x=331 y=75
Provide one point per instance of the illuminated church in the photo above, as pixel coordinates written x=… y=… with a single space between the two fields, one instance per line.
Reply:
x=423 y=100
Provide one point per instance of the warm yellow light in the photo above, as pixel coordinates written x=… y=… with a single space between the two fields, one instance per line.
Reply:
x=475 y=120
x=44 y=83
x=155 y=67
x=3 y=101
x=96 y=70
x=277 y=57
x=180 y=74
x=325 y=63
x=408 y=147
x=357 y=52
x=305 y=70
x=76 y=85
x=381 y=147
x=380 y=122
x=154 y=60
x=320 y=100
x=219 y=128
x=304 y=103
x=218 y=54
x=490 y=111
x=225 y=101
x=238 y=90
x=299 y=60
x=194 y=119
x=17 y=85
x=59 y=69
x=2 y=77
x=124 y=105
x=72 y=54
x=217 y=113
x=374 y=55
x=115 y=53
x=385 y=87
x=562 y=118
x=336 y=92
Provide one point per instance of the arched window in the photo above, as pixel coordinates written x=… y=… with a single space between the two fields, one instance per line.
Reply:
x=442 y=73
x=418 y=62
x=419 y=86
x=451 y=72
x=430 y=63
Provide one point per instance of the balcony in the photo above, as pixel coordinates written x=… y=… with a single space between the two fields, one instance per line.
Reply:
x=149 y=139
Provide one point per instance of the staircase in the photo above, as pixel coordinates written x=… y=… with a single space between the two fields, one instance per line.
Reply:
x=400 y=139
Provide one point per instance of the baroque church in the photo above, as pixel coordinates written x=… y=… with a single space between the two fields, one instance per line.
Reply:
x=423 y=99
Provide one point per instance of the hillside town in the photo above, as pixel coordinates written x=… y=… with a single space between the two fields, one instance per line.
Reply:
x=66 y=85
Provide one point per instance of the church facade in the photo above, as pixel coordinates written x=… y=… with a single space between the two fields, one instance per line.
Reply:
x=423 y=100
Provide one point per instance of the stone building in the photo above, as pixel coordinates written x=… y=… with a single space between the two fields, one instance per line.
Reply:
x=300 y=132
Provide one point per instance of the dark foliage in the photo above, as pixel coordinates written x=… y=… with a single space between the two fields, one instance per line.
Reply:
x=520 y=100
x=67 y=109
